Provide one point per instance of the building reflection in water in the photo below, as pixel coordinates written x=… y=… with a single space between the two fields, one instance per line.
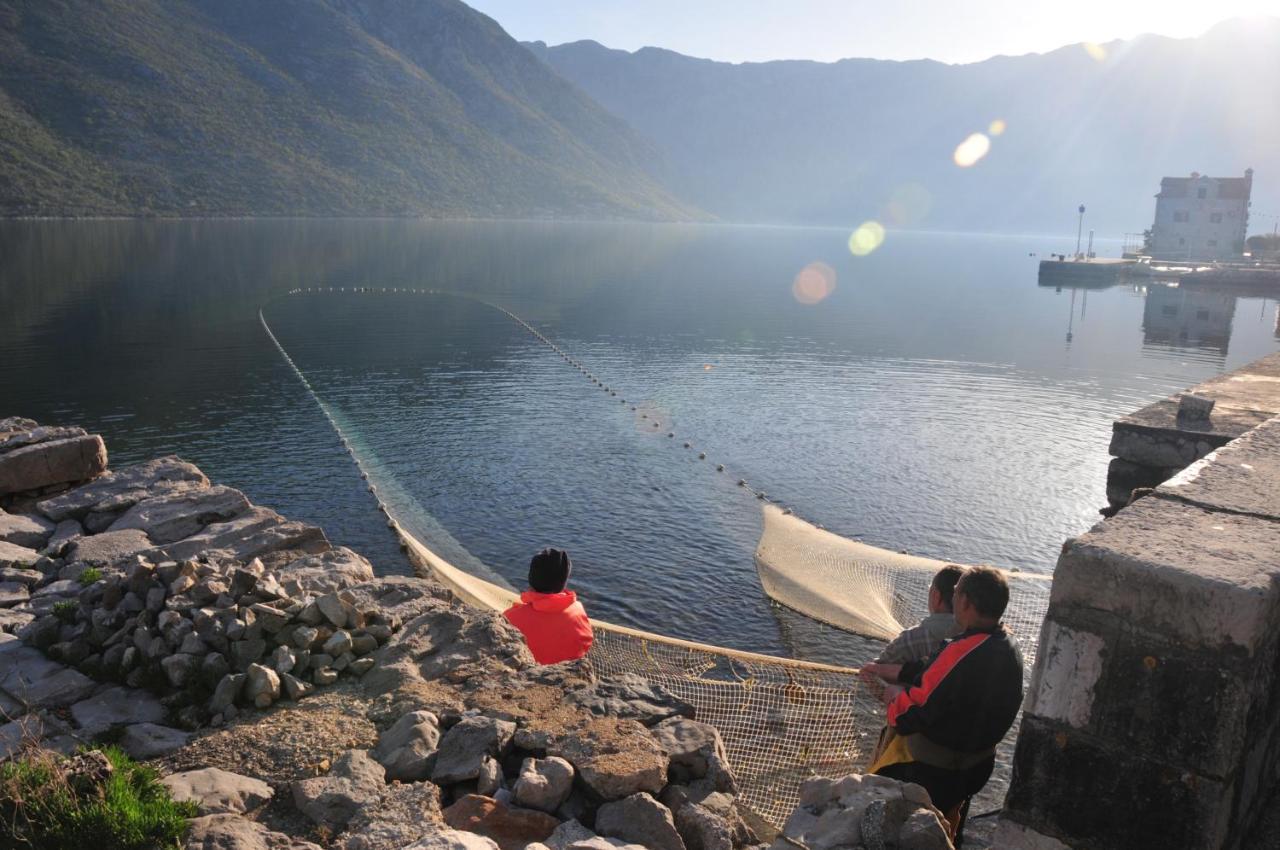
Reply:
x=1185 y=317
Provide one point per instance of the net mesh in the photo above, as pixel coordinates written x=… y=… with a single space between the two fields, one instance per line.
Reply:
x=782 y=720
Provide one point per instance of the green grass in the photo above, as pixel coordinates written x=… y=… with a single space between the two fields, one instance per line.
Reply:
x=41 y=810
x=65 y=610
x=90 y=575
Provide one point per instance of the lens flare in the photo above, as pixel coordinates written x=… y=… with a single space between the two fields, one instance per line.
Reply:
x=814 y=283
x=996 y=127
x=908 y=204
x=971 y=150
x=1096 y=52
x=867 y=238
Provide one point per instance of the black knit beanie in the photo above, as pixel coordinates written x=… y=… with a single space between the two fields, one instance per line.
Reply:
x=549 y=571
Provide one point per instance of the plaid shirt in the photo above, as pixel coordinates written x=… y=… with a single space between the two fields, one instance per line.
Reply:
x=919 y=642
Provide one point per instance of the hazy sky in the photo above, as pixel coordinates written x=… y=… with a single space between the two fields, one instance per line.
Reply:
x=948 y=30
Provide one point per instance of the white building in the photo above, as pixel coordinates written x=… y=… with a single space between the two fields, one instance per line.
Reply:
x=1201 y=218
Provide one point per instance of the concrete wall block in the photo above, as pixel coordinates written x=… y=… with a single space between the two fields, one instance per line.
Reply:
x=1242 y=476
x=1133 y=802
x=1156 y=447
x=1069 y=667
x=1207 y=580
x=1123 y=477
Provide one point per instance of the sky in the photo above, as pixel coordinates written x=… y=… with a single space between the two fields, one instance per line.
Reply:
x=826 y=30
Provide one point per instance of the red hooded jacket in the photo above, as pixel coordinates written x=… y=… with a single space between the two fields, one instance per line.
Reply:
x=555 y=625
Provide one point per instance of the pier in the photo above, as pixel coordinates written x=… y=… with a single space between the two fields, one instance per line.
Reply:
x=1097 y=272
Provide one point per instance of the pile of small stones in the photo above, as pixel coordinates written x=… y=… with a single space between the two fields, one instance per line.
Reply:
x=210 y=635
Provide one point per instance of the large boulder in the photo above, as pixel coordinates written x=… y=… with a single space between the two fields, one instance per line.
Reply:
x=173 y=516
x=232 y=832
x=109 y=547
x=26 y=675
x=614 y=758
x=510 y=827
x=328 y=572
x=631 y=697
x=216 y=791
x=19 y=557
x=406 y=749
x=356 y=782
x=53 y=462
x=543 y=784
x=120 y=489
x=256 y=532
x=32 y=433
x=692 y=747
x=640 y=819
x=149 y=740
x=29 y=530
x=116 y=706
x=466 y=745
x=453 y=839
x=399 y=819
x=861 y=813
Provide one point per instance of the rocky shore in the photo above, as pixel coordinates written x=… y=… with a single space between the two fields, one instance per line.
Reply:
x=300 y=701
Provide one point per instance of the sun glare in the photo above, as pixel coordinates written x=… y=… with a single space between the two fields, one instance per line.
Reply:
x=814 y=283
x=972 y=149
x=867 y=238
x=996 y=127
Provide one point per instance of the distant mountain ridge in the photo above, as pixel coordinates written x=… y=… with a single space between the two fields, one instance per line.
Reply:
x=301 y=107
x=834 y=143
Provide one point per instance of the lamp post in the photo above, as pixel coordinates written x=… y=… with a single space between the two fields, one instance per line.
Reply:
x=1079 y=231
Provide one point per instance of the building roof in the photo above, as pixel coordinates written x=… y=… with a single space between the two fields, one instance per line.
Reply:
x=1228 y=187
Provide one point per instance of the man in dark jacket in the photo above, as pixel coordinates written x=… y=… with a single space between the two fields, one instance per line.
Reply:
x=957 y=705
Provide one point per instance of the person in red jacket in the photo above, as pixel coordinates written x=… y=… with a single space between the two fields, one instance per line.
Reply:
x=553 y=621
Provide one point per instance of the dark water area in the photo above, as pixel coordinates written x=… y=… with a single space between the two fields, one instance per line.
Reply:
x=931 y=402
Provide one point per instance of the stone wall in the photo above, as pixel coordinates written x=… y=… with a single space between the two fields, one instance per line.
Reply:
x=1153 y=717
x=1153 y=444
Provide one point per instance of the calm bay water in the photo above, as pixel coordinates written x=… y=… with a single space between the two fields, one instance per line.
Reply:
x=931 y=403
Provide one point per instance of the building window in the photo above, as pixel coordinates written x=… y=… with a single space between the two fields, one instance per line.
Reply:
x=1213 y=243
x=1215 y=218
x=1169 y=310
x=1202 y=315
x=1202 y=192
x=1182 y=240
x=1181 y=215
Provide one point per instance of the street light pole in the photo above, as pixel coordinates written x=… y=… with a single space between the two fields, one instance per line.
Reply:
x=1079 y=231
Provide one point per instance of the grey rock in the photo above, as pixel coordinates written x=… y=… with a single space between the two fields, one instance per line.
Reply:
x=61 y=587
x=27 y=530
x=615 y=760
x=363 y=644
x=96 y=522
x=355 y=782
x=702 y=829
x=691 y=746
x=334 y=609
x=294 y=687
x=193 y=645
x=405 y=812
x=338 y=643
x=174 y=516
x=325 y=676
x=453 y=839
x=11 y=620
x=246 y=652
x=179 y=668
x=29 y=677
x=44 y=464
x=489 y=782
x=406 y=749
x=122 y=488
x=109 y=546
x=258 y=531
x=318 y=575
x=640 y=819
x=305 y=636
x=271 y=619
x=227 y=692
x=148 y=740
x=18 y=575
x=631 y=697
x=216 y=791
x=22 y=557
x=283 y=659
x=543 y=784
x=464 y=747
x=16 y=432
x=115 y=706
x=567 y=833
x=262 y=685
x=361 y=666
x=64 y=534
x=13 y=593
x=233 y=832
x=343 y=661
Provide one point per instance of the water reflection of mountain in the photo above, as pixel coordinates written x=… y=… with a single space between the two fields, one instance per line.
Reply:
x=1183 y=317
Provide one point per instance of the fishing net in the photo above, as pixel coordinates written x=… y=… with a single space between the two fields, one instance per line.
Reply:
x=872 y=591
x=782 y=720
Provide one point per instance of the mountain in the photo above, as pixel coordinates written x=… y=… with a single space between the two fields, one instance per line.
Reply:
x=301 y=107
x=836 y=143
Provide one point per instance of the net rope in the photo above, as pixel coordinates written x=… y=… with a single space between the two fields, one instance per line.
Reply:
x=782 y=720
